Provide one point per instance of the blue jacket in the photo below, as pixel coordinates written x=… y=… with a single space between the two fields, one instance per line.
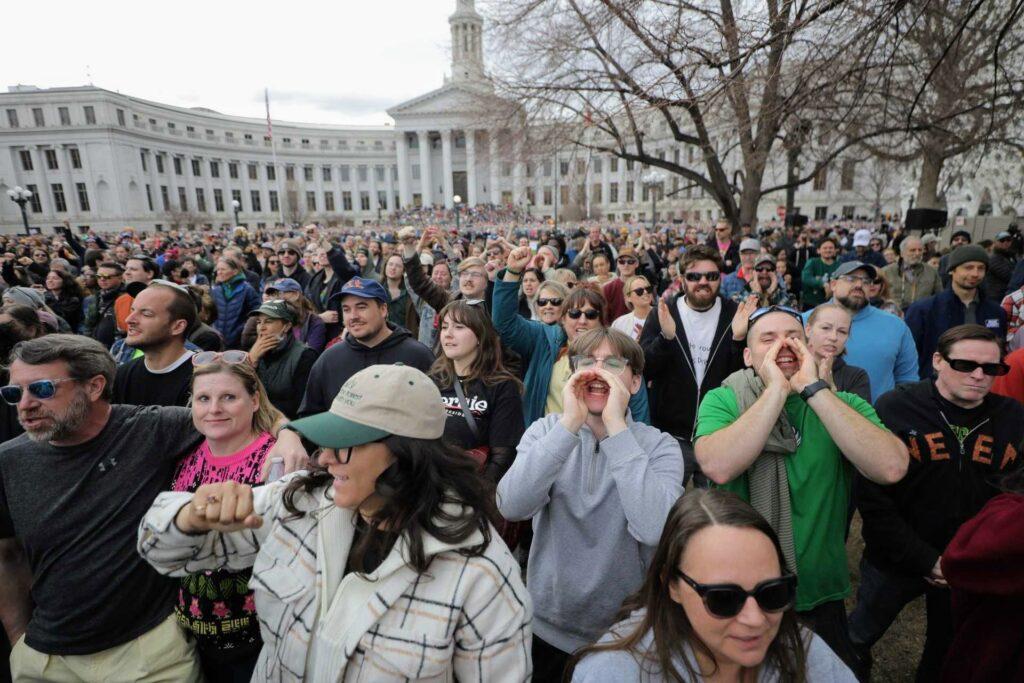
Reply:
x=233 y=310
x=929 y=318
x=539 y=344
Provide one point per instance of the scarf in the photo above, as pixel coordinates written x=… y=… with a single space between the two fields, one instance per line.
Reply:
x=766 y=477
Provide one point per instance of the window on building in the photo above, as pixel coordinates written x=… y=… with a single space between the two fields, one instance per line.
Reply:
x=60 y=204
x=142 y=158
x=820 y=213
x=177 y=165
x=182 y=199
x=271 y=172
x=247 y=136
x=289 y=172
x=364 y=200
x=378 y=171
x=165 y=197
x=847 y=175
x=12 y=118
x=595 y=193
x=35 y=201
x=200 y=200
x=26 y=160
x=149 y=196
x=311 y=201
x=37 y=117
x=90 y=115
x=83 y=196
x=821 y=179
x=629 y=191
x=563 y=194
x=506 y=169
x=548 y=195
x=215 y=169
x=197 y=169
x=159 y=163
x=307 y=173
x=305 y=141
x=51 y=159
x=382 y=199
x=345 y=174
x=326 y=171
x=346 y=201
x=563 y=168
x=362 y=174
x=328 y=201
x=415 y=172
x=218 y=200
x=171 y=126
x=597 y=165
x=275 y=204
x=120 y=117
x=613 y=193
x=65 y=116
x=190 y=129
x=254 y=171
x=254 y=199
x=848 y=212
x=613 y=164
x=233 y=170
x=236 y=196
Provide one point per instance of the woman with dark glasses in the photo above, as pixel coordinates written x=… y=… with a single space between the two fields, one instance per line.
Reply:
x=542 y=344
x=717 y=604
x=639 y=296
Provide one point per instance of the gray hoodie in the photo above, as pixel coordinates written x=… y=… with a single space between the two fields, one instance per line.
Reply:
x=615 y=666
x=598 y=511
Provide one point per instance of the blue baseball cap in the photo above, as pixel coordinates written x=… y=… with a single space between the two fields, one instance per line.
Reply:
x=285 y=284
x=366 y=288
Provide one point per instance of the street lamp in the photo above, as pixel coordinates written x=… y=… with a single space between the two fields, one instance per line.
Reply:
x=651 y=180
x=457 y=201
x=236 y=205
x=20 y=196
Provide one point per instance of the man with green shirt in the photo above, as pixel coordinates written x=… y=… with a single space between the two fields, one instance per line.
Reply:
x=777 y=435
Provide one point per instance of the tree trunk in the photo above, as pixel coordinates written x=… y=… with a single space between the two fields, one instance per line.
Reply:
x=792 y=175
x=928 y=184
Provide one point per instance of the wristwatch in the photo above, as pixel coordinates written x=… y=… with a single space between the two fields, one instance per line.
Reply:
x=813 y=388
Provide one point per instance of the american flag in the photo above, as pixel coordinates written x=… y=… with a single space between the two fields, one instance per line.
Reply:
x=270 y=128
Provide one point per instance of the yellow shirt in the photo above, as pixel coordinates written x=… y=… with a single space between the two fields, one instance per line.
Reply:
x=560 y=372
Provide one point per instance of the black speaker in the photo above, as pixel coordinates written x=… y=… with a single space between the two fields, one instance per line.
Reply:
x=926 y=219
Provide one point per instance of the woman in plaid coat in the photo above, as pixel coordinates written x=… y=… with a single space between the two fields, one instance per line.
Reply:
x=379 y=565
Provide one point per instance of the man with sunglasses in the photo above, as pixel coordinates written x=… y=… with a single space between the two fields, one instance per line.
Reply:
x=728 y=249
x=963 y=440
x=689 y=348
x=737 y=280
x=289 y=253
x=763 y=284
x=627 y=265
x=778 y=436
x=101 y=320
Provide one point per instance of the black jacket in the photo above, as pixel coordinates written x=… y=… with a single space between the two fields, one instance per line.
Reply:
x=907 y=525
x=674 y=394
x=1001 y=265
x=732 y=254
x=284 y=372
x=851 y=379
x=335 y=365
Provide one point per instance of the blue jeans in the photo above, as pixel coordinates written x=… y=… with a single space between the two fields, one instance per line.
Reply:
x=881 y=597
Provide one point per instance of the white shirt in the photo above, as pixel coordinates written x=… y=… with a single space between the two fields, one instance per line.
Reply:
x=700 y=333
x=629 y=325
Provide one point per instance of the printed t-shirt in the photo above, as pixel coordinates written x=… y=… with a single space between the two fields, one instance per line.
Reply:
x=700 y=329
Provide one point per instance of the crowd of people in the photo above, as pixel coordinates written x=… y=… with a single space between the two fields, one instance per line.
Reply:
x=600 y=454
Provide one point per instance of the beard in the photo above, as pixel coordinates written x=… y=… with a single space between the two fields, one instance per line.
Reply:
x=852 y=304
x=63 y=426
x=700 y=296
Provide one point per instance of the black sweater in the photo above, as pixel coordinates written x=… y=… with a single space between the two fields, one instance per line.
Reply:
x=907 y=525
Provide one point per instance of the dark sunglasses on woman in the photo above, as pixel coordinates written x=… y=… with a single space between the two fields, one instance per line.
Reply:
x=554 y=301
x=626 y=260
x=726 y=600
x=591 y=313
x=640 y=291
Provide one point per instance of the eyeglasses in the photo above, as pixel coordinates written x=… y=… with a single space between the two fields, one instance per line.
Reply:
x=857 y=279
x=108 y=277
x=315 y=457
x=592 y=314
x=554 y=301
x=613 y=364
x=626 y=260
x=696 y=277
x=230 y=357
x=726 y=600
x=968 y=366
x=41 y=389
x=640 y=291
x=765 y=310
x=472 y=274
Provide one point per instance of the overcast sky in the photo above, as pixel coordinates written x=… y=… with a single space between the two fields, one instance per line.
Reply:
x=324 y=62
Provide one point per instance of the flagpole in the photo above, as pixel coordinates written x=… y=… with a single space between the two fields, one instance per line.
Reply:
x=273 y=154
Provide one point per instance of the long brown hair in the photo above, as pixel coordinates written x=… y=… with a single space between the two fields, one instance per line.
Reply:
x=266 y=416
x=667 y=619
x=488 y=366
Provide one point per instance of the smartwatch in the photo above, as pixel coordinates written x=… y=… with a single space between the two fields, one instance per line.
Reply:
x=813 y=388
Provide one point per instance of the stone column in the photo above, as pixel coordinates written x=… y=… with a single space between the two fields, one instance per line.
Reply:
x=492 y=136
x=446 y=167
x=518 y=170
x=402 y=147
x=471 y=168
x=426 y=183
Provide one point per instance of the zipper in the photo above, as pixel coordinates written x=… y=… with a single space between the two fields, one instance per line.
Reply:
x=593 y=467
x=960 y=442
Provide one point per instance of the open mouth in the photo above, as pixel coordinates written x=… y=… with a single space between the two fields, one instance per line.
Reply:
x=786 y=359
x=597 y=388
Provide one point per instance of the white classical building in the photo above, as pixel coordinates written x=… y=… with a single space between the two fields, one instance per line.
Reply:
x=101 y=159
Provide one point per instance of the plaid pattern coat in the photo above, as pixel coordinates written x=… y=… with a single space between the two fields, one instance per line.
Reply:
x=467 y=618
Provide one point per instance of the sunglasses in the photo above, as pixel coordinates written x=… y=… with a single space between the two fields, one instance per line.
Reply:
x=233 y=357
x=764 y=269
x=554 y=301
x=289 y=251
x=591 y=313
x=726 y=600
x=41 y=389
x=968 y=366
x=774 y=309
x=627 y=260
x=640 y=291
x=696 y=277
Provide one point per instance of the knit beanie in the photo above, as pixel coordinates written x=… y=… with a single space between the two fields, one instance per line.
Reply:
x=965 y=253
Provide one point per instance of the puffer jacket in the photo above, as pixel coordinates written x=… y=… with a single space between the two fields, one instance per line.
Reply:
x=234 y=300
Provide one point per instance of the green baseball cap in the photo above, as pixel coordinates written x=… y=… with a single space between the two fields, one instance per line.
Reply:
x=276 y=309
x=376 y=402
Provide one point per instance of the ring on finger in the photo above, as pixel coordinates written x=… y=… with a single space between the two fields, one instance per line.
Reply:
x=212 y=499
